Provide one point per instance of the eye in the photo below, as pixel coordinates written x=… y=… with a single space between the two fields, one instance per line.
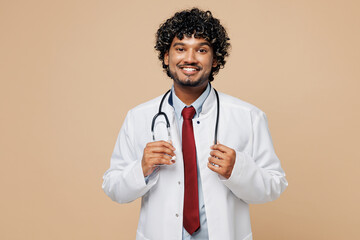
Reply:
x=202 y=50
x=179 y=49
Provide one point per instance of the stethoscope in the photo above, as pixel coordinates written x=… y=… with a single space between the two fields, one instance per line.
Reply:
x=161 y=113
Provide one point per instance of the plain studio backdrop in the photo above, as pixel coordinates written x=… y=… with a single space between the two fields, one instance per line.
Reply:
x=70 y=71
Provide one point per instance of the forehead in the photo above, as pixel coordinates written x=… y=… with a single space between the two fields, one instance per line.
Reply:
x=191 y=41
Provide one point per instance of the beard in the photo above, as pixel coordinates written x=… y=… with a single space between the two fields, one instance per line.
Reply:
x=187 y=82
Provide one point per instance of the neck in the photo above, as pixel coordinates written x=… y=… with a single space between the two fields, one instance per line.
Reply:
x=188 y=95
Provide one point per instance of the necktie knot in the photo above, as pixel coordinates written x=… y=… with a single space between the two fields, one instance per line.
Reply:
x=188 y=113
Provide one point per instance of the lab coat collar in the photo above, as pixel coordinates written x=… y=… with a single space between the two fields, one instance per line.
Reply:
x=178 y=105
x=209 y=104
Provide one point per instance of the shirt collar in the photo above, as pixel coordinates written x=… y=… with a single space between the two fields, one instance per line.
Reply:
x=178 y=105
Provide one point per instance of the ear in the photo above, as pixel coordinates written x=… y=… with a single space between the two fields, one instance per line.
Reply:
x=214 y=64
x=166 y=58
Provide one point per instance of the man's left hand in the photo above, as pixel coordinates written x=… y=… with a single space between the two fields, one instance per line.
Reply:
x=224 y=157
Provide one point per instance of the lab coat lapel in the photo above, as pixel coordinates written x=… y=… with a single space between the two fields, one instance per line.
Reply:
x=204 y=129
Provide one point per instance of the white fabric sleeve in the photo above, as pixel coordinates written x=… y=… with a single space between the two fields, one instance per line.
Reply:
x=257 y=178
x=124 y=181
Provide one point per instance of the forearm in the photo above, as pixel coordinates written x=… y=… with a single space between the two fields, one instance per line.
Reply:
x=127 y=184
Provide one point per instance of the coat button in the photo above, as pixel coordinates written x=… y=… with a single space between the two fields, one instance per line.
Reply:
x=179 y=182
x=177 y=215
x=198 y=122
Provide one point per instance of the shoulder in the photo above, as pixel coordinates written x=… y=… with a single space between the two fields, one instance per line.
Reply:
x=236 y=104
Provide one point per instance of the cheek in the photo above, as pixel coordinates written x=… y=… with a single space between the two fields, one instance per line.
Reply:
x=174 y=58
x=207 y=59
x=174 y=61
x=208 y=63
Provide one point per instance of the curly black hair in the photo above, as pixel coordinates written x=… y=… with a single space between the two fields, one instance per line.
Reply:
x=195 y=22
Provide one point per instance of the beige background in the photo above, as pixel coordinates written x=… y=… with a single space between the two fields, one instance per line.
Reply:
x=70 y=70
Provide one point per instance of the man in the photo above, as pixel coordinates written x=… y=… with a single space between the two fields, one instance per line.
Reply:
x=190 y=187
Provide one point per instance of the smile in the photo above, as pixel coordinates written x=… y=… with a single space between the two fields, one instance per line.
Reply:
x=189 y=70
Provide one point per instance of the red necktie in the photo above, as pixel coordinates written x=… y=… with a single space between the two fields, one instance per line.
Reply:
x=191 y=200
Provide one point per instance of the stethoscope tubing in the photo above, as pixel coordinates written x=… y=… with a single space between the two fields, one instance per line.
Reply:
x=161 y=113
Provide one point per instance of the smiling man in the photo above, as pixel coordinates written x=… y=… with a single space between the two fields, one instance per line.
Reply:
x=218 y=156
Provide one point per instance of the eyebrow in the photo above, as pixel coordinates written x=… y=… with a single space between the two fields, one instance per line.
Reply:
x=183 y=44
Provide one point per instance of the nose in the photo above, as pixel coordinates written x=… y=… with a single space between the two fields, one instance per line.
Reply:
x=190 y=57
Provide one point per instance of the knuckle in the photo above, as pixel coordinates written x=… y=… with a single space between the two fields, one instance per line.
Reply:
x=165 y=161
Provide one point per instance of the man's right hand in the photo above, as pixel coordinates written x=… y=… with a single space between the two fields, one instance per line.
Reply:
x=157 y=153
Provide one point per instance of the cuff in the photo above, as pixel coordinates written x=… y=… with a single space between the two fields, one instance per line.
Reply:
x=235 y=176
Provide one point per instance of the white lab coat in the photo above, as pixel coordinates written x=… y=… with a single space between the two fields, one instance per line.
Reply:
x=257 y=176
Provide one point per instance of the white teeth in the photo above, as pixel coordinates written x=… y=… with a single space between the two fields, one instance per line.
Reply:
x=189 y=69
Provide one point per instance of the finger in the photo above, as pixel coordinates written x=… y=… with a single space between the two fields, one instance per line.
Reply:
x=216 y=161
x=163 y=150
x=161 y=161
x=213 y=168
x=159 y=155
x=161 y=144
x=217 y=154
x=221 y=148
